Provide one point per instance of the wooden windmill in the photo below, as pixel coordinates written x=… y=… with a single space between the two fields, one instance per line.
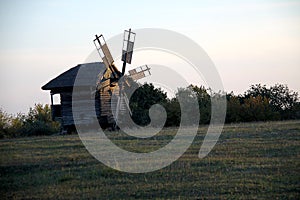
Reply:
x=110 y=81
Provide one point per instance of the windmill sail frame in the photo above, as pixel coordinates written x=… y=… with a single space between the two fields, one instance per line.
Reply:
x=128 y=44
x=139 y=72
x=103 y=50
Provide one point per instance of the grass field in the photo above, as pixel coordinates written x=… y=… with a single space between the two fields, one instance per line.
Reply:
x=250 y=161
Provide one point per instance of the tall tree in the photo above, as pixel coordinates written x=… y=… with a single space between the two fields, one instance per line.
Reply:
x=281 y=98
x=141 y=101
x=204 y=101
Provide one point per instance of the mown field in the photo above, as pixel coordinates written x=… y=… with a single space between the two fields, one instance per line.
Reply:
x=250 y=161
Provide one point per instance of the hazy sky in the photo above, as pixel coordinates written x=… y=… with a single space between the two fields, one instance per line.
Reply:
x=249 y=41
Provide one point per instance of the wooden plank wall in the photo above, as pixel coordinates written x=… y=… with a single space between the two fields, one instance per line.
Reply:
x=85 y=114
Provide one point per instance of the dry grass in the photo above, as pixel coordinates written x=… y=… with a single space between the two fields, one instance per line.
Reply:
x=250 y=161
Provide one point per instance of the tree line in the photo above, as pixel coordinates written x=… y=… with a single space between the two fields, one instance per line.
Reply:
x=258 y=103
x=37 y=122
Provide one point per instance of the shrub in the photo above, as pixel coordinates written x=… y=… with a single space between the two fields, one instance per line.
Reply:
x=4 y=123
x=36 y=122
x=39 y=122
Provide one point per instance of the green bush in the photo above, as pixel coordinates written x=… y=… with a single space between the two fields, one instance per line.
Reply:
x=141 y=101
x=36 y=122
x=4 y=123
x=39 y=122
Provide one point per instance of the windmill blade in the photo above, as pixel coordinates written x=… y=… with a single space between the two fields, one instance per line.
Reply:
x=139 y=72
x=121 y=100
x=106 y=56
x=127 y=49
x=128 y=43
x=126 y=100
x=103 y=51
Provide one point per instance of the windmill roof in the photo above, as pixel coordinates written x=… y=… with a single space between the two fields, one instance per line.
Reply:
x=66 y=79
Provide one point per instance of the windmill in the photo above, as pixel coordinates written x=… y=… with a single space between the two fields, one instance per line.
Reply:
x=113 y=81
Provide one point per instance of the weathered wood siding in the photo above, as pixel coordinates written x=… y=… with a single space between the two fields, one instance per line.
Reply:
x=85 y=114
x=66 y=108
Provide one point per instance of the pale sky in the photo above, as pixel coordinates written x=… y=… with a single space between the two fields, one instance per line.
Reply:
x=249 y=41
